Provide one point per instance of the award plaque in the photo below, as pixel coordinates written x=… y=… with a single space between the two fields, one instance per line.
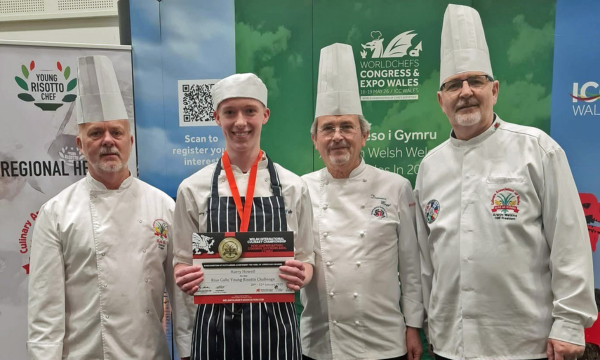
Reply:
x=242 y=267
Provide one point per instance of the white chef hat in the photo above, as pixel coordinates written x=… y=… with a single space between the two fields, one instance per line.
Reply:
x=463 y=43
x=337 y=86
x=239 y=86
x=98 y=94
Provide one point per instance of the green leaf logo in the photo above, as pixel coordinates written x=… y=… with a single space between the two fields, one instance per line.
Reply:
x=22 y=83
x=71 y=85
x=69 y=98
x=25 y=97
x=51 y=81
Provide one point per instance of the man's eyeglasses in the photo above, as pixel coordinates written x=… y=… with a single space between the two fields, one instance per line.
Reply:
x=475 y=82
x=344 y=129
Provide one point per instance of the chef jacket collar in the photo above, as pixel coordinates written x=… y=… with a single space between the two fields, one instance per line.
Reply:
x=262 y=164
x=97 y=185
x=479 y=138
x=354 y=173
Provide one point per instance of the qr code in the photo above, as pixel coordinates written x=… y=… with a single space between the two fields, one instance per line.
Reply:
x=195 y=103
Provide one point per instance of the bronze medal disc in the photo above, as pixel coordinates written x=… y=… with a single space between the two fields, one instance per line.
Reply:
x=230 y=249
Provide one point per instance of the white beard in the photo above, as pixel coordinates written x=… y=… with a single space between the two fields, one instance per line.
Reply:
x=339 y=159
x=468 y=119
x=108 y=167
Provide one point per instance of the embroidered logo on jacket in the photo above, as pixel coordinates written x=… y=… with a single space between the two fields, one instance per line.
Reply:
x=505 y=204
x=432 y=210
x=160 y=231
x=379 y=211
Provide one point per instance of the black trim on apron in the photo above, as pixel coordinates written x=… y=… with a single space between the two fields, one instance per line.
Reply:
x=259 y=331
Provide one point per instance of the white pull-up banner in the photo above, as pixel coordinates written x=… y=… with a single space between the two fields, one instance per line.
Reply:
x=38 y=157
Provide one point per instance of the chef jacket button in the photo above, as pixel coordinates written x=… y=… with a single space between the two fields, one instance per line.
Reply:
x=355 y=294
x=325 y=234
x=362 y=206
x=223 y=180
x=331 y=294
x=325 y=207
x=147 y=311
x=146 y=281
x=140 y=221
x=103 y=254
x=364 y=180
x=326 y=182
x=362 y=233
x=358 y=263
x=334 y=322
x=144 y=251
x=106 y=316
x=357 y=322
x=329 y=263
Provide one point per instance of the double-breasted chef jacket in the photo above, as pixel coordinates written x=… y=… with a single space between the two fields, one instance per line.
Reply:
x=100 y=262
x=364 y=234
x=506 y=254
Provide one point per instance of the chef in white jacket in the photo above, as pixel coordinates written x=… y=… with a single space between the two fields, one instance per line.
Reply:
x=364 y=232
x=507 y=266
x=101 y=253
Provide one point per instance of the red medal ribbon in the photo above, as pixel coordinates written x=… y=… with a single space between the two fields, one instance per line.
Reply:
x=244 y=211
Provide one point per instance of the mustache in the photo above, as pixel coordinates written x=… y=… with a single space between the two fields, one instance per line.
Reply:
x=339 y=145
x=466 y=103
x=109 y=151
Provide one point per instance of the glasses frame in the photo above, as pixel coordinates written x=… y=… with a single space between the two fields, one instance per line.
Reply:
x=490 y=79
x=337 y=129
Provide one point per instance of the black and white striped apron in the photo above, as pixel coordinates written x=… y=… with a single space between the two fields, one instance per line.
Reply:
x=259 y=331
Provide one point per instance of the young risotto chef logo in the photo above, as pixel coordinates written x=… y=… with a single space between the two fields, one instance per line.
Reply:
x=505 y=204
x=160 y=231
x=48 y=89
x=391 y=72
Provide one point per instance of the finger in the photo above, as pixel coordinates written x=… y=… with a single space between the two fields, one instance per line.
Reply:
x=187 y=270
x=292 y=271
x=192 y=284
x=558 y=355
x=180 y=281
x=290 y=279
x=418 y=353
x=550 y=351
x=293 y=286
x=192 y=291
x=295 y=263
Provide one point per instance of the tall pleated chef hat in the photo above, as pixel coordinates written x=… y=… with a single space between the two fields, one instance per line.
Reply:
x=98 y=94
x=239 y=86
x=463 y=43
x=337 y=87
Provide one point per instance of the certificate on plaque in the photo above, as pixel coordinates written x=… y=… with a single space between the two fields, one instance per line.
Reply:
x=242 y=267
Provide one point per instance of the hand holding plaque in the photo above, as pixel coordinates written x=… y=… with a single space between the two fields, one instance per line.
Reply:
x=244 y=267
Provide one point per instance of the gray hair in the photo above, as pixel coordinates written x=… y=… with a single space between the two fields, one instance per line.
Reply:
x=365 y=126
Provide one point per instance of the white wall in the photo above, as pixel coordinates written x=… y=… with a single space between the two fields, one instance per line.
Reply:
x=89 y=30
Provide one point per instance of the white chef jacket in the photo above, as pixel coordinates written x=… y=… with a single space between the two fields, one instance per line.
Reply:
x=194 y=192
x=98 y=271
x=364 y=232
x=507 y=261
